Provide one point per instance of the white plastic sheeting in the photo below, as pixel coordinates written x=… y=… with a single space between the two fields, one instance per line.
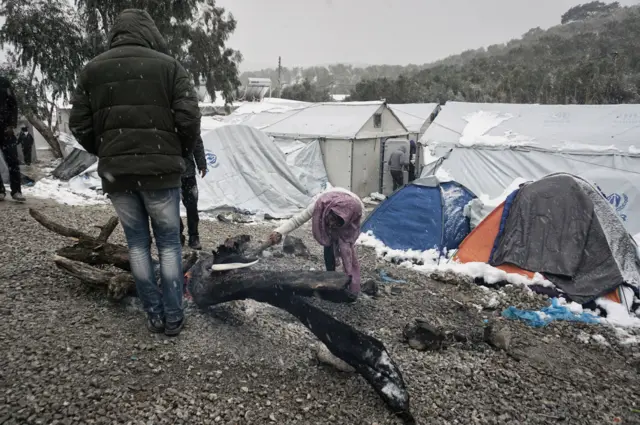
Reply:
x=494 y=144
x=305 y=161
x=413 y=115
x=552 y=127
x=329 y=120
x=247 y=172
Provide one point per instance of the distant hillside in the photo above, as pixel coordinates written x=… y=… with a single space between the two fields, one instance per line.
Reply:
x=591 y=61
x=593 y=19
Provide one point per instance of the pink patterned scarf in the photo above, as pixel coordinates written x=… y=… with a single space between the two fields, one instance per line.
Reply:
x=341 y=239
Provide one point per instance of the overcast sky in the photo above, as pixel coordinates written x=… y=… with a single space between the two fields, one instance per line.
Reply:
x=320 y=32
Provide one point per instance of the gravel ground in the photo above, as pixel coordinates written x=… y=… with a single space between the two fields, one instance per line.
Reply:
x=70 y=356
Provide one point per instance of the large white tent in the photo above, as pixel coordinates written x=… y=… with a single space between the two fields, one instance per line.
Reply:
x=493 y=144
x=248 y=172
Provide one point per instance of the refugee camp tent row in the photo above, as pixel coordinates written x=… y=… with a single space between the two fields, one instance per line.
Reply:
x=352 y=137
x=493 y=144
x=562 y=227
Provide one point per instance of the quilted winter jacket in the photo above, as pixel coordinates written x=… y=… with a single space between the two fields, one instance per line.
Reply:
x=135 y=107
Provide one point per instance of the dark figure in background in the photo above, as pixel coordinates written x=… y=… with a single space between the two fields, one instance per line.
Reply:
x=8 y=141
x=412 y=160
x=397 y=162
x=26 y=140
x=190 y=193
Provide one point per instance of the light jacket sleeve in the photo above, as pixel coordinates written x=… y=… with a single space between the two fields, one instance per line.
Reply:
x=297 y=220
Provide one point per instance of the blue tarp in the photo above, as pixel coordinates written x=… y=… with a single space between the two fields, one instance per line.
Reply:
x=422 y=217
x=551 y=313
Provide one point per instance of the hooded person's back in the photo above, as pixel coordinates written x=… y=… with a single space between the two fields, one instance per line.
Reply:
x=398 y=159
x=136 y=108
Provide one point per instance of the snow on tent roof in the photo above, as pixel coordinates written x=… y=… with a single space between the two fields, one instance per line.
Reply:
x=575 y=128
x=413 y=115
x=331 y=120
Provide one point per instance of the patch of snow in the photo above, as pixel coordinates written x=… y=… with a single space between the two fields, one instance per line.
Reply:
x=62 y=193
x=581 y=147
x=617 y=314
x=600 y=339
x=481 y=122
x=478 y=209
x=378 y=196
x=584 y=337
x=625 y=338
x=431 y=262
x=443 y=175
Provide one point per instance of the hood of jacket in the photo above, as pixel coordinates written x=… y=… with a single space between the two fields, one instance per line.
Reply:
x=403 y=149
x=135 y=27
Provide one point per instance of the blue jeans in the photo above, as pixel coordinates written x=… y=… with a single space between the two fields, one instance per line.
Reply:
x=163 y=208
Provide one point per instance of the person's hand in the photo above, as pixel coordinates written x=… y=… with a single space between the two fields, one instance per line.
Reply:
x=275 y=238
x=203 y=172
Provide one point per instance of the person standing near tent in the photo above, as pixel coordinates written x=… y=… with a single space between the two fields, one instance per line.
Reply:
x=136 y=108
x=335 y=215
x=412 y=160
x=26 y=140
x=190 y=193
x=8 y=141
x=397 y=161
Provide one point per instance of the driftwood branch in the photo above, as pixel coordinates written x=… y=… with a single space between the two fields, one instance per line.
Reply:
x=57 y=228
x=118 y=284
x=107 y=229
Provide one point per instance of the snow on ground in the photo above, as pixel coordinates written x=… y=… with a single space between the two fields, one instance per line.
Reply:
x=431 y=261
x=56 y=190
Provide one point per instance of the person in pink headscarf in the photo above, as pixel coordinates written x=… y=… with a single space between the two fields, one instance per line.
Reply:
x=335 y=215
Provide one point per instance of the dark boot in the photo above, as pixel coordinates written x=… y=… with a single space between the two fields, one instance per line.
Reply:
x=194 y=242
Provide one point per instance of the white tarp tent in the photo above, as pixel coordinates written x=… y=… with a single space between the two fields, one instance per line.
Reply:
x=305 y=161
x=247 y=172
x=493 y=144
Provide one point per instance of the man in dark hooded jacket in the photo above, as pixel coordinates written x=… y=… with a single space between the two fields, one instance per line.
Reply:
x=135 y=107
x=190 y=193
x=397 y=162
x=8 y=141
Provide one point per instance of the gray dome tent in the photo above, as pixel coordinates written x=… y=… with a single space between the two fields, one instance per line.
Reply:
x=563 y=227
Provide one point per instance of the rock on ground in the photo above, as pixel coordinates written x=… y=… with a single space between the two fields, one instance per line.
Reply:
x=68 y=355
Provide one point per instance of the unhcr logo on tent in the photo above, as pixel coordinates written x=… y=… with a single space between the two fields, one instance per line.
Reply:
x=619 y=202
x=212 y=159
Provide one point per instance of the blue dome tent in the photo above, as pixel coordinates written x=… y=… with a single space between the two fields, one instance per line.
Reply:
x=425 y=214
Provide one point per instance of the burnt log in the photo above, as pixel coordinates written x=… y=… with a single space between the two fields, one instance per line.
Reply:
x=365 y=354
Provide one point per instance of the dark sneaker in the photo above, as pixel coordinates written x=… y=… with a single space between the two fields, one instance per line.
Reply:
x=155 y=324
x=194 y=243
x=174 y=328
x=232 y=262
x=19 y=197
x=2 y=196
